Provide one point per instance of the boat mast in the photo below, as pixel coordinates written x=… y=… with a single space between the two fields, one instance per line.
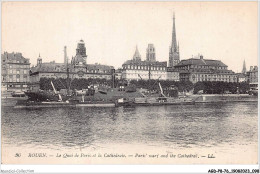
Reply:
x=149 y=75
x=55 y=91
x=67 y=69
x=113 y=78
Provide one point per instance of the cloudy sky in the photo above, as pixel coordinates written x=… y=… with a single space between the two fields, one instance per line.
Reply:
x=226 y=31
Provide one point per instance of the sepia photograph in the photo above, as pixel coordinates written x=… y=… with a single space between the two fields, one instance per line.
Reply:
x=129 y=83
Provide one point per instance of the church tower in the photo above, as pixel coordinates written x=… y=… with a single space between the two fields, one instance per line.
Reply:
x=244 y=68
x=39 y=60
x=80 y=58
x=150 y=53
x=174 y=55
x=81 y=49
x=137 y=55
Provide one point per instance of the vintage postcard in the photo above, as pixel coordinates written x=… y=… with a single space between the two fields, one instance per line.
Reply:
x=129 y=83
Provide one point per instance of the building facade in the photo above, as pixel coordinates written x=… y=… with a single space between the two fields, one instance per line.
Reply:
x=174 y=54
x=172 y=74
x=15 y=72
x=78 y=68
x=241 y=77
x=196 y=70
x=252 y=74
x=136 y=69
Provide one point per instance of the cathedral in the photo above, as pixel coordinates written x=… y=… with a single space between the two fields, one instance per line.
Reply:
x=150 y=68
x=174 y=54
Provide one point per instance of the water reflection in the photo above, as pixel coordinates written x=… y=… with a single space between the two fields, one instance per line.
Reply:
x=202 y=125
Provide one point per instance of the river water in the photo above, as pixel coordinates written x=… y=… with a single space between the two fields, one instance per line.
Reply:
x=222 y=126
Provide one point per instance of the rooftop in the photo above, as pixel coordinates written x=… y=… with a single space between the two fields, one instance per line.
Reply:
x=11 y=57
x=139 y=62
x=209 y=62
x=60 y=67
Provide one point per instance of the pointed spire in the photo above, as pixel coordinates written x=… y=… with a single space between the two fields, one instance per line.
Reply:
x=39 y=60
x=174 y=42
x=174 y=56
x=137 y=55
x=244 y=67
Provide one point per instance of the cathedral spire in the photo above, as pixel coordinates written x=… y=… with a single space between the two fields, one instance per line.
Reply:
x=174 y=57
x=174 y=42
x=244 y=67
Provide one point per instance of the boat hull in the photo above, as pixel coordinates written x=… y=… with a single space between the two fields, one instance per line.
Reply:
x=153 y=101
x=96 y=105
x=41 y=96
x=29 y=104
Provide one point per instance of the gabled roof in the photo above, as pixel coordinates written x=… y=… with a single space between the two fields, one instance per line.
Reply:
x=14 y=56
x=49 y=67
x=209 y=62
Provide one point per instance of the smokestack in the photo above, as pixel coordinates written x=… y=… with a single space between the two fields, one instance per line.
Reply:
x=113 y=77
x=65 y=56
x=251 y=68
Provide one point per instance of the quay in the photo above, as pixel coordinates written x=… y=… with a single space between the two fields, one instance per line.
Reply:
x=204 y=98
x=97 y=105
x=213 y=98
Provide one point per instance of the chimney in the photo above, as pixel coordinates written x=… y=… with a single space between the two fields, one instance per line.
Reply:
x=201 y=56
x=65 y=55
x=113 y=77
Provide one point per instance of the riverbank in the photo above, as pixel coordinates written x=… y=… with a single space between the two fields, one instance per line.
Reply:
x=210 y=98
x=204 y=98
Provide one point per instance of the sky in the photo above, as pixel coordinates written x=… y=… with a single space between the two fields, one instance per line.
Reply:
x=225 y=31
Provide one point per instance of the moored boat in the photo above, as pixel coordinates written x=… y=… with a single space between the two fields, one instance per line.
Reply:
x=18 y=94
